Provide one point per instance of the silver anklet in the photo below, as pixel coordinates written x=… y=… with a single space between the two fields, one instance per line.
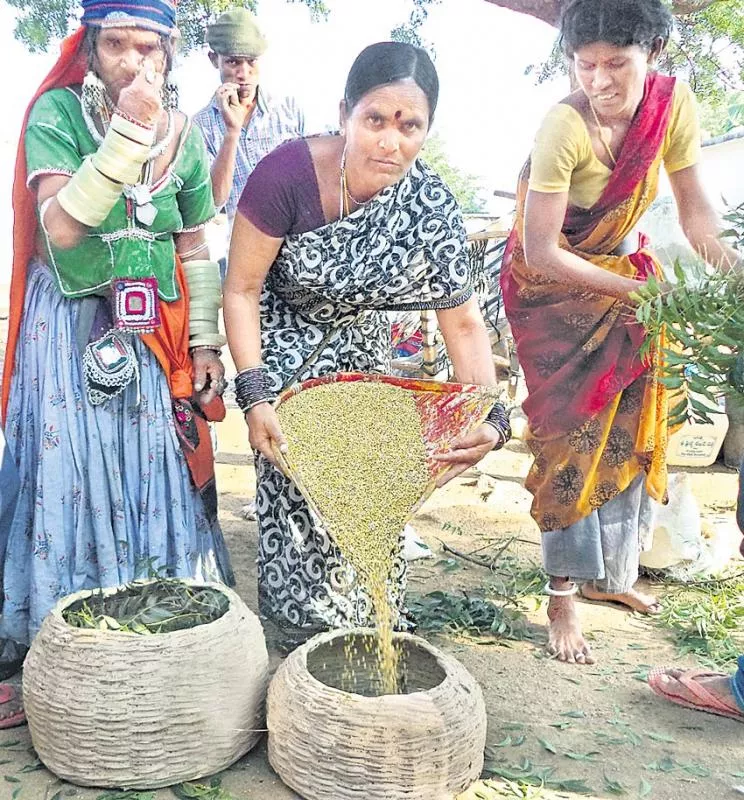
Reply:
x=560 y=592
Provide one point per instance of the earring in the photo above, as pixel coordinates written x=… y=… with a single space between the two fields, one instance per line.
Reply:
x=94 y=94
x=169 y=94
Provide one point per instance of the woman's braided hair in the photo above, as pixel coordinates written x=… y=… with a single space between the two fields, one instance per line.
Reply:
x=618 y=22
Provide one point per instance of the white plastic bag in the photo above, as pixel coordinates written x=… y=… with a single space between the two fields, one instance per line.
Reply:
x=677 y=535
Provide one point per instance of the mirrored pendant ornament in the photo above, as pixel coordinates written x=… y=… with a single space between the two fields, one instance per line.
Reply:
x=146 y=214
x=144 y=209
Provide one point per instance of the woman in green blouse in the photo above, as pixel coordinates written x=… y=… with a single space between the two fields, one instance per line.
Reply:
x=113 y=356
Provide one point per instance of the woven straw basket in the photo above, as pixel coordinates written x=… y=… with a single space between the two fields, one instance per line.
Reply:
x=114 y=709
x=330 y=744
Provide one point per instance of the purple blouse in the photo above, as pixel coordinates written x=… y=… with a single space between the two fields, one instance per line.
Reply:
x=282 y=196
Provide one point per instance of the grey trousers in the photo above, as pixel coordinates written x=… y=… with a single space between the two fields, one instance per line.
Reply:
x=604 y=547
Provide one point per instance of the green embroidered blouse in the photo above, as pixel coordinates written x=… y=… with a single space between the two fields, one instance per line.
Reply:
x=57 y=141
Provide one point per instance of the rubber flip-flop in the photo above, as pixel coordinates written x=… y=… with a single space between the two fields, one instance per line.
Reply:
x=696 y=696
x=11 y=697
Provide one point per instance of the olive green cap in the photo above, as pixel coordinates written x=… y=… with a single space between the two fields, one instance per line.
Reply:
x=236 y=33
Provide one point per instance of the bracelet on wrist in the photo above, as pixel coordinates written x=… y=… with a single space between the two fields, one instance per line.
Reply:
x=268 y=400
x=498 y=418
x=253 y=386
x=210 y=347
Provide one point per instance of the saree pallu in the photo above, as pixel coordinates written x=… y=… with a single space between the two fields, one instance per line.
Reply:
x=596 y=410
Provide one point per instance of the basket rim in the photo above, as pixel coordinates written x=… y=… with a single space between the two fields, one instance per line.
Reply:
x=409 y=384
x=69 y=599
x=444 y=661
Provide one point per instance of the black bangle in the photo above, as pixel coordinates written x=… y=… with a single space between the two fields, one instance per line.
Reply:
x=498 y=418
x=252 y=386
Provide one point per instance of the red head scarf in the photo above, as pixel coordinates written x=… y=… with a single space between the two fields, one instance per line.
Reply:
x=69 y=69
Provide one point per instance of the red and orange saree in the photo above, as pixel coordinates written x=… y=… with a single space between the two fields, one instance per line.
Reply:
x=597 y=413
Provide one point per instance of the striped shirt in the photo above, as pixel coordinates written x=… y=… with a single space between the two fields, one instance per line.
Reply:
x=274 y=120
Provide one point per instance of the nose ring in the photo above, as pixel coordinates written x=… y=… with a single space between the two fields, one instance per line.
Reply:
x=381 y=144
x=123 y=64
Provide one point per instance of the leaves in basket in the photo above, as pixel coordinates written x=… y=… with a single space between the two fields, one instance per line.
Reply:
x=160 y=606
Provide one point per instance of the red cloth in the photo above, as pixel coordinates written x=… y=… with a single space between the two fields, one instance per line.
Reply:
x=69 y=69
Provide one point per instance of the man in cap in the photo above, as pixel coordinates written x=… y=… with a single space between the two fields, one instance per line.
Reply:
x=243 y=122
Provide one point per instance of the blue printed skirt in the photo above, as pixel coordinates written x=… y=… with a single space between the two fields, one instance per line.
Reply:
x=105 y=494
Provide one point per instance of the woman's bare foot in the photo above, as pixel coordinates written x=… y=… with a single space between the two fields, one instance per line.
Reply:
x=565 y=640
x=644 y=603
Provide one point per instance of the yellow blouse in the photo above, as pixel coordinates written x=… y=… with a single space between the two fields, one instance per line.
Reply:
x=563 y=159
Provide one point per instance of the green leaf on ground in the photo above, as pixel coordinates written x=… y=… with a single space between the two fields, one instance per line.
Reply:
x=644 y=789
x=547 y=746
x=698 y=770
x=574 y=714
x=606 y=738
x=590 y=756
x=505 y=742
x=578 y=786
x=613 y=786
x=666 y=764
x=202 y=791
x=660 y=737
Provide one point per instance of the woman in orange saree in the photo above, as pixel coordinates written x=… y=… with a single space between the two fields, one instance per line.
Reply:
x=597 y=413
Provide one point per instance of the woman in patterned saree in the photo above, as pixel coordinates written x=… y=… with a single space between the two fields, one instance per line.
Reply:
x=113 y=351
x=332 y=232
x=597 y=415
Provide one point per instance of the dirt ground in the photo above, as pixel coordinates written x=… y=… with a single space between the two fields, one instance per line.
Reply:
x=534 y=704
